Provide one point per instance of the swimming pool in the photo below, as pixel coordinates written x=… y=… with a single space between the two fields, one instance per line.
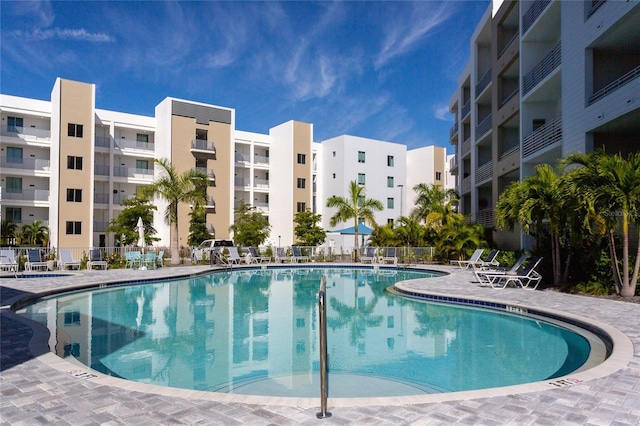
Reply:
x=254 y=332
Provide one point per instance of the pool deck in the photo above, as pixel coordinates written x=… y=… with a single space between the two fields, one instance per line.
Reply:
x=36 y=387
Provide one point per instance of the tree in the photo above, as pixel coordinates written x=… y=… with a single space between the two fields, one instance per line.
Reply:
x=457 y=238
x=383 y=236
x=124 y=225
x=198 y=231
x=9 y=231
x=355 y=207
x=410 y=232
x=307 y=230
x=432 y=198
x=176 y=189
x=610 y=188
x=251 y=227
x=36 y=233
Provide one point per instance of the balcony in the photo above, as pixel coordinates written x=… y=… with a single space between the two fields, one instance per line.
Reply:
x=29 y=163
x=133 y=172
x=211 y=204
x=542 y=69
x=484 y=172
x=595 y=5
x=99 y=226
x=26 y=195
x=241 y=158
x=466 y=147
x=202 y=146
x=483 y=82
x=26 y=133
x=127 y=144
x=209 y=172
x=242 y=182
x=485 y=218
x=483 y=127
x=508 y=160
x=612 y=87
x=532 y=14
x=101 y=170
x=508 y=44
x=261 y=159
x=453 y=131
x=120 y=197
x=453 y=165
x=542 y=137
x=100 y=198
x=261 y=183
x=466 y=185
x=466 y=109
x=102 y=141
x=508 y=97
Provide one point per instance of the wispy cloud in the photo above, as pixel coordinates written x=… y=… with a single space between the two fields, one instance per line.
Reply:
x=442 y=113
x=79 y=34
x=408 y=29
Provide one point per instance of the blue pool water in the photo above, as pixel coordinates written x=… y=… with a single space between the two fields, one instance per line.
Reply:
x=256 y=332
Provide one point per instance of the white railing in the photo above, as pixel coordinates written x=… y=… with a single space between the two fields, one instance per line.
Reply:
x=532 y=14
x=483 y=82
x=484 y=172
x=508 y=44
x=612 y=87
x=132 y=172
x=99 y=226
x=485 y=217
x=100 y=198
x=202 y=145
x=241 y=182
x=101 y=170
x=122 y=144
x=26 y=195
x=241 y=158
x=466 y=185
x=509 y=152
x=509 y=97
x=25 y=163
x=261 y=159
x=466 y=146
x=209 y=172
x=260 y=183
x=595 y=5
x=40 y=135
x=542 y=137
x=548 y=63
x=453 y=130
x=102 y=141
x=453 y=163
x=483 y=127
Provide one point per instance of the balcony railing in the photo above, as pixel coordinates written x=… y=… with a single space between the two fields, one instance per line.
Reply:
x=241 y=158
x=466 y=108
x=595 y=5
x=102 y=141
x=261 y=159
x=485 y=217
x=40 y=135
x=202 y=145
x=100 y=198
x=631 y=75
x=101 y=170
x=25 y=163
x=132 y=172
x=134 y=145
x=508 y=44
x=542 y=69
x=120 y=197
x=209 y=172
x=483 y=82
x=532 y=14
x=99 y=226
x=261 y=204
x=260 y=183
x=466 y=147
x=211 y=204
x=508 y=152
x=241 y=182
x=466 y=185
x=26 y=195
x=509 y=97
x=453 y=131
x=453 y=163
x=484 y=172
x=542 y=137
x=483 y=127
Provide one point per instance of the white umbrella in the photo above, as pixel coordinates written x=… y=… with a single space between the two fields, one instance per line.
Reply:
x=140 y=228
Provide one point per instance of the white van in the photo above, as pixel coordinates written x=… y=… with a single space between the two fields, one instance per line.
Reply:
x=206 y=247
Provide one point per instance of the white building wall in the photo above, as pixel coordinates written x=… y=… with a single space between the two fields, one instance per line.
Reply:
x=281 y=183
x=163 y=150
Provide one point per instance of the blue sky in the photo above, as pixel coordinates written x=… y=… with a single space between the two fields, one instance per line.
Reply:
x=381 y=70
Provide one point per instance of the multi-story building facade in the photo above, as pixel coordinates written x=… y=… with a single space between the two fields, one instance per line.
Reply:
x=545 y=78
x=70 y=165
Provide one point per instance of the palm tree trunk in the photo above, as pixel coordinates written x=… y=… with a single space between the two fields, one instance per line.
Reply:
x=175 y=254
x=626 y=290
x=636 y=269
x=615 y=269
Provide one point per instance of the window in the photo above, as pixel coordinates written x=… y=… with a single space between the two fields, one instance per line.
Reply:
x=302 y=183
x=72 y=318
x=74 y=163
x=202 y=134
x=14 y=124
x=361 y=155
x=390 y=322
x=74 y=195
x=142 y=164
x=72 y=349
x=391 y=342
x=301 y=207
x=14 y=185
x=142 y=137
x=14 y=155
x=361 y=179
x=390 y=222
x=74 y=130
x=390 y=160
x=74 y=228
x=300 y=322
x=13 y=214
x=438 y=175
x=390 y=183
x=302 y=159
x=389 y=203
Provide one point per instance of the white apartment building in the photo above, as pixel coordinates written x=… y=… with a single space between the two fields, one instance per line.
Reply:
x=70 y=165
x=545 y=78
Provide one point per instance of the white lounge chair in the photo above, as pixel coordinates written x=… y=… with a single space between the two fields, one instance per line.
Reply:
x=297 y=254
x=475 y=257
x=489 y=262
x=527 y=278
x=254 y=256
x=389 y=256
x=67 y=261
x=8 y=260
x=34 y=261
x=481 y=273
x=95 y=259
x=233 y=256
x=281 y=255
x=369 y=255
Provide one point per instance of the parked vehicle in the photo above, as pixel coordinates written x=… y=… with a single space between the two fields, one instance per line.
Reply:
x=207 y=248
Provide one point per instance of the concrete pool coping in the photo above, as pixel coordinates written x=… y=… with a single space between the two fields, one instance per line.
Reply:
x=458 y=282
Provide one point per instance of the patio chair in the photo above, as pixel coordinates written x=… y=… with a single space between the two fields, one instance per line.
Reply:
x=489 y=262
x=132 y=259
x=526 y=278
x=254 y=256
x=369 y=255
x=95 y=259
x=481 y=273
x=8 y=260
x=234 y=256
x=281 y=255
x=159 y=259
x=389 y=256
x=67 y=261
x=149 y=259
x=34 y=261
x=297 y=254
x=475 y=257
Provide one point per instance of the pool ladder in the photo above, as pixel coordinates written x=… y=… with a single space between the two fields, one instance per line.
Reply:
x=322 y=308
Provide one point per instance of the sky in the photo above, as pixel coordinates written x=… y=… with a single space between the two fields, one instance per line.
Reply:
x=382 y=69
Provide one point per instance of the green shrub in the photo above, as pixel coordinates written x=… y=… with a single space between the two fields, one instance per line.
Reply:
x=594 y=288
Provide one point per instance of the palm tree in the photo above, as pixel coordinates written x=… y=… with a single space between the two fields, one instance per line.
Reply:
x=35 y=233
x=432 y=198
x=176 y=189
x=356 y=207
x=410 y=232
x=456 y=238
x=9 y=230
x=610 y=187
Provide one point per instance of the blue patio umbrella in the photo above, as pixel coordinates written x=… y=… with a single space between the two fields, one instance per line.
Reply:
x=362 y=230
